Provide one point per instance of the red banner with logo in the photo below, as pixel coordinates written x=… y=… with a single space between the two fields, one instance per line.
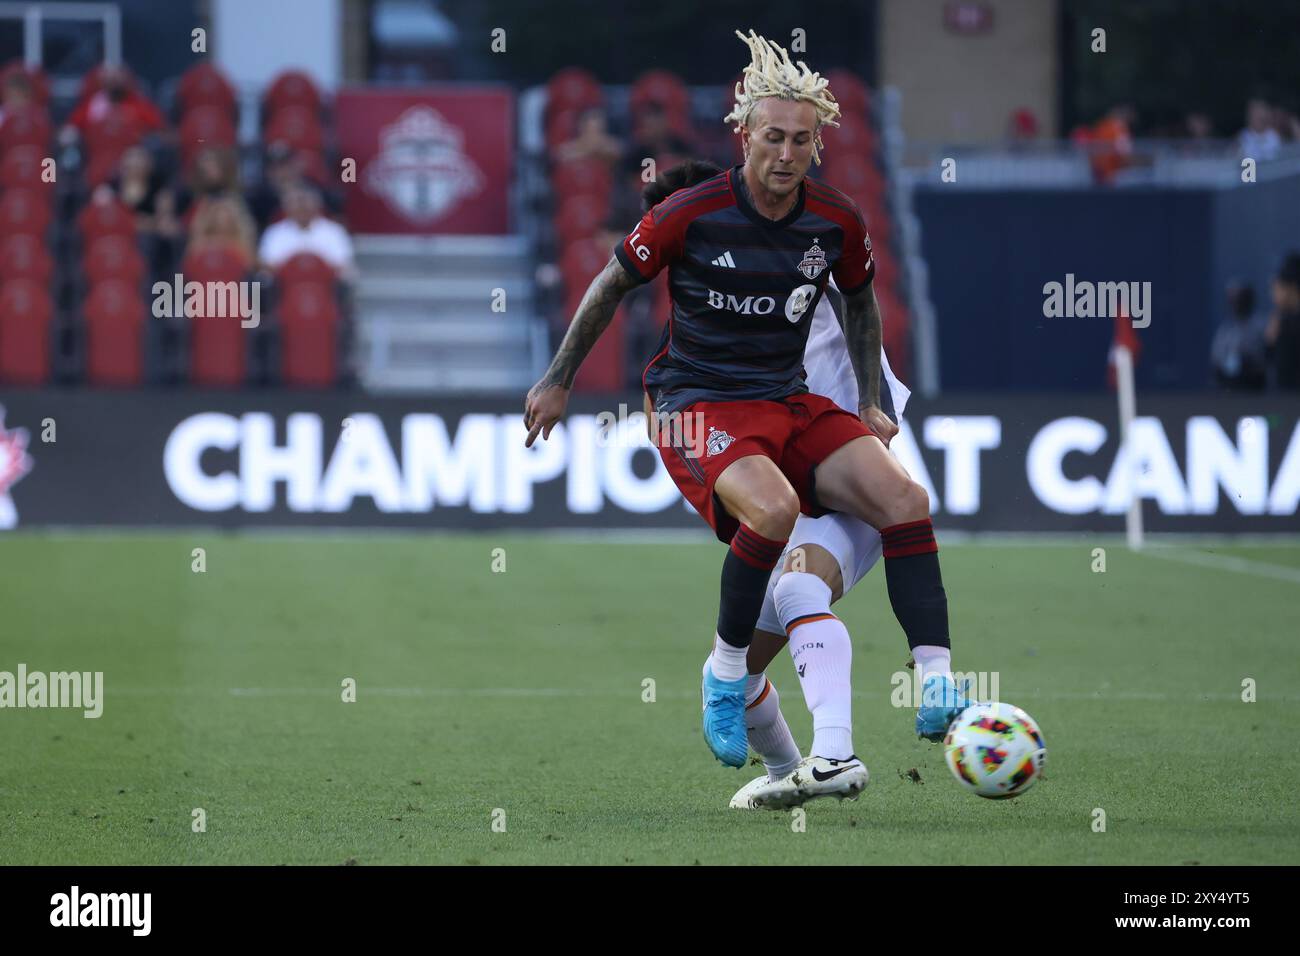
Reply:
x=428 y=160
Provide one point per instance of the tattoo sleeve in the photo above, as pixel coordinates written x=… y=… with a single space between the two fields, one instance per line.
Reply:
x=861 y=323
x=594 y=313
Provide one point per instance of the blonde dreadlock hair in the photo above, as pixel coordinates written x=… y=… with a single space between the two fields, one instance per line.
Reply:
x=770 y=73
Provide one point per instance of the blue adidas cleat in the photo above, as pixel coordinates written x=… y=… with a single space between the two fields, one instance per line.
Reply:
x=941 y=703
x=724 y=718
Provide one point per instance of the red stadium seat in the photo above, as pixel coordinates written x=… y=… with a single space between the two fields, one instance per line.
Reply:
x=106 y=141
x=203 y=85
x=25 y=211
x=853 y=173
x=581 y=176
x=203 y=127
x=297 y=127
x=306 y=269
x=24 y=256
x=114 y=258
x=218 y=345
x=292 y=88
x=25 y=316
x=25 y=126
x=580 y=262
x=850 y=92
x=561 y=127
x=309 y=325
x=572 y=89
x=580 y=216
x=23 y=167
x=105 y=217
x=662 y=88
x=853 y=137
x=115 y=321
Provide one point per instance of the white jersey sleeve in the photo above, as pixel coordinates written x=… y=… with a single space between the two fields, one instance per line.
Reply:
x=830 y=371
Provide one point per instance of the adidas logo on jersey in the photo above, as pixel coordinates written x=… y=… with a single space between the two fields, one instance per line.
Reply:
x=725 y=260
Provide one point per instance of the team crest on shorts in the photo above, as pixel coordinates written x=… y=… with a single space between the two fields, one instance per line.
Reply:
x=717 y=442
x=814 y=261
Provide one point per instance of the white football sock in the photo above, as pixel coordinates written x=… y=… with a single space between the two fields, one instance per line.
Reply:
x=932 y=660
x=769 y=734
x=823 y=655
x=727 y=662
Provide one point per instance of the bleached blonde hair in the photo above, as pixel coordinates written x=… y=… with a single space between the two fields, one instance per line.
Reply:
x=770 y=73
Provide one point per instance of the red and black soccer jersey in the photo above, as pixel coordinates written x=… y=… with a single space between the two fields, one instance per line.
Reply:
x=743 y=287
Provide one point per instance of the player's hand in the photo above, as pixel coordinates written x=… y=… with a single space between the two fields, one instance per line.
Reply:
x=878 y=422
x=543 y=407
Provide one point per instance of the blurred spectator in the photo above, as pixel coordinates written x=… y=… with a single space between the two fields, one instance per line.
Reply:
x=1238 y=352
x=1259 y=140
x=592 y=142
x=16 y=94
x=1112 y=142
x=118 y=92
x=144 y=191
x=222 y=222
x=283 y=168
x=654 y=139
x=1198 y=128
x=1022 y=126
x=214 y=174
x=1283 y=334
x=306 y=229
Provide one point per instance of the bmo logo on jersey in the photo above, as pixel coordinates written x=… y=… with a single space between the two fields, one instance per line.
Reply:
x=796 y=304
x=749 y=305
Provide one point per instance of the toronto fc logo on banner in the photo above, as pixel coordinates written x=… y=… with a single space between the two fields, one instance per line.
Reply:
x=421 y=171
x=14 y=463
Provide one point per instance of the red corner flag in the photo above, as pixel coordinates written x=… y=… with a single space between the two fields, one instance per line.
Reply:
x=1126 y=337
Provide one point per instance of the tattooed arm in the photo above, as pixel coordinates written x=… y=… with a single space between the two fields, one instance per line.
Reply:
x=862 y=333
x=546 y=400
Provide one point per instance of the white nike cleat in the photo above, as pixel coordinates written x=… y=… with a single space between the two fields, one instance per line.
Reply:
x=814 y=777
x=759 y=786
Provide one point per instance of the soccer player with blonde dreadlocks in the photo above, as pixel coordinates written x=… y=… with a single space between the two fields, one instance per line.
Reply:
x=750 y=253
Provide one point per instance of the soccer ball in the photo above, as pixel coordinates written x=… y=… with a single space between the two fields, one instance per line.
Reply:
x=995 y=750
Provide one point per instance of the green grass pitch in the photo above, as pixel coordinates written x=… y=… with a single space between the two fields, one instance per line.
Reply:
x=518 y=697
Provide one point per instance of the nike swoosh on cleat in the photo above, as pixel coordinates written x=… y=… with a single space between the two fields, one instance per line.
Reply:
x=823 y=777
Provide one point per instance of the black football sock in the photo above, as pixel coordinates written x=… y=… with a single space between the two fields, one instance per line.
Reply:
x=915 y=584
x=745 y=573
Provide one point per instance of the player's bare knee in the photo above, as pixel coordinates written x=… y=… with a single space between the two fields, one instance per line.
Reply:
x=911 y=504
x=773 y=513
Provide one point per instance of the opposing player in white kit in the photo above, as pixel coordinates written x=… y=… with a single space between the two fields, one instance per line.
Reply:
x=824 y=559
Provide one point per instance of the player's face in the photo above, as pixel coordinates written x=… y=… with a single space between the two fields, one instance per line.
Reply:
x=779 y=144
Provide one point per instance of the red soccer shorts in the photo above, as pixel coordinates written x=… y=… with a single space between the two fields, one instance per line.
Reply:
x=798 y=433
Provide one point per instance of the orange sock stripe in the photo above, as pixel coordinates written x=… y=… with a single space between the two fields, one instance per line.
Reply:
x=761 y=697
x=808 y=620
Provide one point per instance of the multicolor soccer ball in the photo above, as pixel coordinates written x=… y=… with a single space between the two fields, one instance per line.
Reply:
x=995 y=750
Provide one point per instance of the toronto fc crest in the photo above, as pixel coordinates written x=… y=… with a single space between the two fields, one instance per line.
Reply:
x=717 y=442
x=814 y=261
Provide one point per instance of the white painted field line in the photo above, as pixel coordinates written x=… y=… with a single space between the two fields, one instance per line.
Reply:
x=1228 y=562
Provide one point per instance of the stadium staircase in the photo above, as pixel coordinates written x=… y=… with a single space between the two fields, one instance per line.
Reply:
x=425 y=318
